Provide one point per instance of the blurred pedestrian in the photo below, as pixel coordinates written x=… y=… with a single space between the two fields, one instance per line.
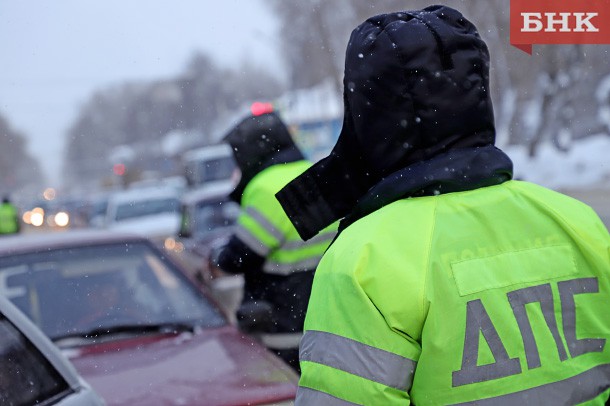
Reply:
x=278 y=266
x=9 y=217
x=448 y=282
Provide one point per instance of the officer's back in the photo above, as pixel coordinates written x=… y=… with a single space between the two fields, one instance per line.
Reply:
x=448 y=282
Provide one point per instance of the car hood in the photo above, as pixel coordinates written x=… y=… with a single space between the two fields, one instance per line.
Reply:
x=213 y=367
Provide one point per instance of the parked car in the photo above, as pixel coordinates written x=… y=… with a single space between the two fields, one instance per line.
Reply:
x=208 y=219
x=96 y=211
x=32 y=369
x=209 y=164
x=151 y=212
x=134 y=325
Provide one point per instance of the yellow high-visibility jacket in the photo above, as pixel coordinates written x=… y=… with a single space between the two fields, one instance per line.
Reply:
x=498 y=295
x=265 y=229
x=287 y=262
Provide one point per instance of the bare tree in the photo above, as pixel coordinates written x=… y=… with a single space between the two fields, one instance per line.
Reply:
x=560 y=71
x=537 y=98
x=18 y=168
x=140 y=115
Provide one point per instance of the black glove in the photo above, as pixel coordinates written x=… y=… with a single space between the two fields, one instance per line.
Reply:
x=255 y=316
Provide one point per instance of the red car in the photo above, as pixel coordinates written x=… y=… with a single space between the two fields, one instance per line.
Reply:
x=137 y=329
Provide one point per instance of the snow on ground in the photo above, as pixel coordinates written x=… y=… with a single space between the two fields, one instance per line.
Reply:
x=585 y=166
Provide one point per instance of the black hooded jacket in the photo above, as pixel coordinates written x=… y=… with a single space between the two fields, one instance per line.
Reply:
x=418 y=120
x=259 y=142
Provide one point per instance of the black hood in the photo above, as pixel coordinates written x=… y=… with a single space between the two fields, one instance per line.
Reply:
x=257 y=143
x=416 y=86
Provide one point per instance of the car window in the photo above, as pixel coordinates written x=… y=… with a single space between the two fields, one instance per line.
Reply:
x=216 y=169
x=213 y=214
x=201 y=171
x=71 y=291
x=26 y=377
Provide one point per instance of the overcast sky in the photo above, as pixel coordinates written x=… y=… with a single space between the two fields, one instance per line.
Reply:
x=56 y=53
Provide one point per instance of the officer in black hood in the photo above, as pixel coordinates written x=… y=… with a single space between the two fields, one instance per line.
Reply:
x=421 y=299
x=258 y=142
x=278 y=266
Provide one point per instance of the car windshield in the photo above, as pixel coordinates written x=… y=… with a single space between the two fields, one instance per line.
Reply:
x=147 y=207
x=214 y=169
x=78 y=290
x=212 y=215
x=218 y=169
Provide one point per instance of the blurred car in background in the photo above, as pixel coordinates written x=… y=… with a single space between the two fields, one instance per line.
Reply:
x=96 y=213
x=46 y=214
x=151 y=212
x=178 y=182
x=57 y=213
x=206 y=165
x=69 y=212
x=208 y=219
x=134 y=325
x=32 y=369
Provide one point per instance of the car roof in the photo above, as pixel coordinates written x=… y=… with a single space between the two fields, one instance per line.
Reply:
x=70 y=238
x=210 y=151
x=140 y=194
x=211 y=190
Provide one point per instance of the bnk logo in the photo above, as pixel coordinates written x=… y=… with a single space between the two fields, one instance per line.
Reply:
x=533 y=22
x=559 y=22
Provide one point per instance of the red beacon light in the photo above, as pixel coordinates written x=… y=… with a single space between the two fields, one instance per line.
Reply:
x=118 y=169
x=260 y=108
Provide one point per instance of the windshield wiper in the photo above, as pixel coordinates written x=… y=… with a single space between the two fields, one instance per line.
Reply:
x=171 y=327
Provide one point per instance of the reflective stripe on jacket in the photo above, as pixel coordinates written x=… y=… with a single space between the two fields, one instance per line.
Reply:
x=497 y=296
x=265 y=229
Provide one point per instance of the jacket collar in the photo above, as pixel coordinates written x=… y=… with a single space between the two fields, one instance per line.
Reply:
x=455 y=171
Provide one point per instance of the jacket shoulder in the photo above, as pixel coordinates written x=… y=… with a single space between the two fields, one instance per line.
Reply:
x=386 y=254
x=570 y=209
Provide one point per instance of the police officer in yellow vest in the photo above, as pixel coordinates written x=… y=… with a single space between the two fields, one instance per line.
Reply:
x=277 y=264
x=9 y=218
x=448 y=283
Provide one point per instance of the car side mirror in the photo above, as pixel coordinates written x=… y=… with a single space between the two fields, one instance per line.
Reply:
x=255 y=316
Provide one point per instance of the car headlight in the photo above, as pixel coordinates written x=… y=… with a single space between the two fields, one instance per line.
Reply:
x=171 y=244
x=62 y=219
